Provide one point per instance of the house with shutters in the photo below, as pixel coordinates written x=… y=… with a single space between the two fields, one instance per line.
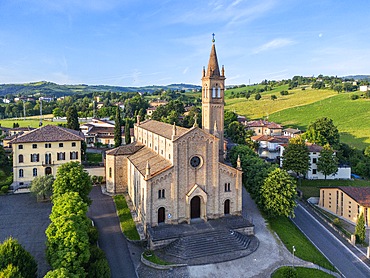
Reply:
x=42 y=150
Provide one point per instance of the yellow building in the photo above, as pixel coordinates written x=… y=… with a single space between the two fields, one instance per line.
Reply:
x=42 y=151
x=346 y=202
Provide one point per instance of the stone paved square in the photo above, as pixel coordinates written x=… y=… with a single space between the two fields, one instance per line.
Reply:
x=26 y=220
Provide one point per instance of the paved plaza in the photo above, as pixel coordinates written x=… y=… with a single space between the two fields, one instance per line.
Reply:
x=26 y=220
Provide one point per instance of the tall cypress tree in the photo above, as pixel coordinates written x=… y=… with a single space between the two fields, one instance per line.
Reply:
x=72 y=118
x=117 y=129
x=127 y=132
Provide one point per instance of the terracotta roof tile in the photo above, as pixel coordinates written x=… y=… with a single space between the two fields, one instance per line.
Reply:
x=126 y=149
x=360 y=194
x=157 y=163
x=162 y=129
x=49 y=133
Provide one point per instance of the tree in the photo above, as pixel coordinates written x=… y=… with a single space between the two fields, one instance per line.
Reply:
x=10 y=271
x=70 y=203
x=60 y=273
x=257 y=96
x=42 y=186
x=11 y=252
x=314 y=136
x=278 y=194
x=327 y=162
x=71 y=176
x=117 y=129
x=367 y=151
x=127 y=132
x=255 y=170
x=296 y=157
x=273 y=97
x=327 y=129
x=229 y=117
x=72 y=118
x=360 y=230
x=236 y=132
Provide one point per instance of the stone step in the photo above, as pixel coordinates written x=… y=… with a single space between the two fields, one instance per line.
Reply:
x=207 y=244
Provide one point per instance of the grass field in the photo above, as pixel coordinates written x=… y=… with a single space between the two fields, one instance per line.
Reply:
x=301 y=273
x=350 y=116
x=29 y=121
x=127 y=223
x=256 y=109
x=291 y=236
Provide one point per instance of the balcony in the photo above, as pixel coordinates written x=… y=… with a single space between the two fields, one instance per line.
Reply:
x=47 y=163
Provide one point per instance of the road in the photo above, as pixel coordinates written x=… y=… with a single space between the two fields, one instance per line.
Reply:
x=103 y=212
x=344 y=260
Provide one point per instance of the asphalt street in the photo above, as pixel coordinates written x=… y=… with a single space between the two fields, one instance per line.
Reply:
x=346 y=262
x=103 y=212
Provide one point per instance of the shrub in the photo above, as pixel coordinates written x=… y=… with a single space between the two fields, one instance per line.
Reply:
x=93 y=234
x=284 y=93
x=289 y=272
x=336 y=222
x=354 y=97
x=257 y=96
x=4 y=189
x=99 y=269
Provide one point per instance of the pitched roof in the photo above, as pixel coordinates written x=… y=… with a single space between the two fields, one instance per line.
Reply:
x=313 y=148
x=49 y=133
x=360 y=194
x=126 y=149
x=213 y=69
x=157 y=163
x=162 y=129
x=259 y=123
x=292 y=130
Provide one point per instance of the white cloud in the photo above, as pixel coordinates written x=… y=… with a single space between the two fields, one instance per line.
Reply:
x=274 y=44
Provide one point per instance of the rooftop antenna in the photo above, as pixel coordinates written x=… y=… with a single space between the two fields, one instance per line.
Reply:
x=40 y=99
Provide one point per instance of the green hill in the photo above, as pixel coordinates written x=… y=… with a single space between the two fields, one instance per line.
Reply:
x=301 y=107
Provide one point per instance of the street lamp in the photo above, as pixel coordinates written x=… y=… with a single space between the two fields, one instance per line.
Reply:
x=293 y=249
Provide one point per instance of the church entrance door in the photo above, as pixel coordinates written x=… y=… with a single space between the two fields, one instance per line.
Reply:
x=161 y=215
x=195 y=207
x=227 y=207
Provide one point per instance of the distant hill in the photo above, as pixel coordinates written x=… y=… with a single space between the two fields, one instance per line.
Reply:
x=357 y=77
x=52 y=89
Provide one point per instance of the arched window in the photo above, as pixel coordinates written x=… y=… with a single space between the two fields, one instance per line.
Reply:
x=213 y=92
x=21 y=173
x=218 y=92
x=20 y=158
x=34 y=172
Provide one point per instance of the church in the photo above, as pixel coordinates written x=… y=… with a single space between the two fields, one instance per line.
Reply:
x=175 y=175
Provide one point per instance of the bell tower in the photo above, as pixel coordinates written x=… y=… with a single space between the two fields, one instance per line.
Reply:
x=213 y=85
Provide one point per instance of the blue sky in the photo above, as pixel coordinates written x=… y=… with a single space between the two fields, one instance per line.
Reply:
x=137 y=43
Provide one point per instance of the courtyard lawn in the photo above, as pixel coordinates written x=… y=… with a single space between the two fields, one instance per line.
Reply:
x=95 y=158
x=127 y=223
x=302 y=272
x=291 y=236
x=26 y=123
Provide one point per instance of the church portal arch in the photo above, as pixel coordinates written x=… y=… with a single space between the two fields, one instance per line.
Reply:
x=195 y=207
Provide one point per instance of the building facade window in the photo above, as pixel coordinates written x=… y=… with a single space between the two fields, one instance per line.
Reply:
x=60 y=145
x=34 y=172
x=21 y=173
x=227 y=187
x=73 y=144
x=314 y=160
x=110 y=172
x=34 y=146
x=161 y=194
x=314 y=171
x=73 y=155
x=20 y=147
x=20 y=158
x=35 y=157
x=48 y=145
x=61 y=156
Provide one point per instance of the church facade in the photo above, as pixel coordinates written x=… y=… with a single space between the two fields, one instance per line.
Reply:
x=174 y=174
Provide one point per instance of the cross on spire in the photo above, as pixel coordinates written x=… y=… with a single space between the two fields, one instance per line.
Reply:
x=213 y=37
